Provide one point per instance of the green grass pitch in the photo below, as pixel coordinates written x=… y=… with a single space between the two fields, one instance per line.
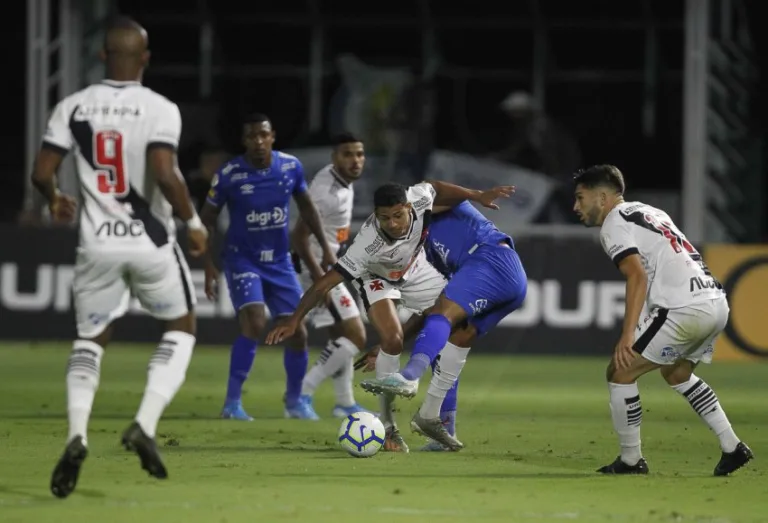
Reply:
x=535 y=431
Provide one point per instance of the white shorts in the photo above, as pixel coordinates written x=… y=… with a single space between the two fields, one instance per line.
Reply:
x=341 y=306
x=666 y=336
x=416 y=294
x=104 y=282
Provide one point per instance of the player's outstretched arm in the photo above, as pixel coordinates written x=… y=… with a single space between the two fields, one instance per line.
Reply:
x=164 y=167
x=47 y=162
x=311 y=218
x=312 y=297
x=637 y=287
x=450 y=195
x=300 y=243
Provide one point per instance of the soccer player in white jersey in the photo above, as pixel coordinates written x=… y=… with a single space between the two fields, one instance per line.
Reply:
x=124 y=137
x=674 y=311
x=387 y=263
x=333 y=194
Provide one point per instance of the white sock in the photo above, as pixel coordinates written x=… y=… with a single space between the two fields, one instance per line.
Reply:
x=447 y=371
x=627 y=414
x=167 y=370
x=83 y=371
x=336 y=356
x=387 y=364
x=704 y=401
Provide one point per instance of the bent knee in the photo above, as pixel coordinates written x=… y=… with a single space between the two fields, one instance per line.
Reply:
x=678 y=373
x=299 y=339
x=463 y=336
x=613 y=374
x=354 y=331
x=392 y=342
x=253 y=321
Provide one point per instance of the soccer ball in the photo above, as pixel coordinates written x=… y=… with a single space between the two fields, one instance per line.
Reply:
x=361 y=434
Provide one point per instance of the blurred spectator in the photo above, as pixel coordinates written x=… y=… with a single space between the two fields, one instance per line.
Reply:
x=411 y=124
x=540 y=144
x=209 y=161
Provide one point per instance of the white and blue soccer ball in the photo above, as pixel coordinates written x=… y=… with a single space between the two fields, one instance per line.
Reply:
x=361 y=434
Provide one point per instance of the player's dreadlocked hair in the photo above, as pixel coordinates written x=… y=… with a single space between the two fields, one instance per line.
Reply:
x=390 y=194
x=342 y=138
x=597 y=175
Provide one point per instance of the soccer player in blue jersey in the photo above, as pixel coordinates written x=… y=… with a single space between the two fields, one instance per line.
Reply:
x=486 y=283
x=256 y=188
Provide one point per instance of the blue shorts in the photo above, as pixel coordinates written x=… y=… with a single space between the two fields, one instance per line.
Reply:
x=489 y=286
x=273 y=284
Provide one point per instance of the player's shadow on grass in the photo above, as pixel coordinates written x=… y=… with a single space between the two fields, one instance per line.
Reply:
x=128 y=415
x=428 y=475
x=49 y=498
x=294 y=447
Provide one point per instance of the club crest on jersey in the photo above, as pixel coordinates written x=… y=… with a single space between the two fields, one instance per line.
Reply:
x=376 y=285
x=478 y=306
x=247 y=189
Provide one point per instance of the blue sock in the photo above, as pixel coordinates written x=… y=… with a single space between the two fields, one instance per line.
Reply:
x=429 y=343
x=240 y=363
x=448 y=409
x=295 y=363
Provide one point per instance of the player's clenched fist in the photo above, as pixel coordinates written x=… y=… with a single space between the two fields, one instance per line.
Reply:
x=198 y=241
x=63 y=208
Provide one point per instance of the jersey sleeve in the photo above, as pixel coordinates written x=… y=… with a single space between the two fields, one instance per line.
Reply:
x=57 y=134
x=319 y=192
x=216 y=194
x=618 y=241
x=300 y=183
x=355 y=261
x=422 y=196
x=166 y=128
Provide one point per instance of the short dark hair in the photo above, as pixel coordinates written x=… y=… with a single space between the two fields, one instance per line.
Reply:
x=257 y=118
x=390 y=194
x=600 y=175
x=342 y=138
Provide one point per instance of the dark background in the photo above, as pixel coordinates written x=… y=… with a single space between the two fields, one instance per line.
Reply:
x=605 y=115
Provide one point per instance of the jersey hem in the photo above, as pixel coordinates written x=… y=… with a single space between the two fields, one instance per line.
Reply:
x=344 y=272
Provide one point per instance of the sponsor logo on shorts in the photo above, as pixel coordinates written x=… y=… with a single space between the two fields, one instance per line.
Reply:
x=670 y=354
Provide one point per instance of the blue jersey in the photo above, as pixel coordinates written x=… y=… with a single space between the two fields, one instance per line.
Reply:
x=455 y=234
x=258 y=200
x=487 y=278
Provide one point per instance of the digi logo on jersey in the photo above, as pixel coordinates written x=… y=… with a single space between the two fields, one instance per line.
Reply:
x=277 y=217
